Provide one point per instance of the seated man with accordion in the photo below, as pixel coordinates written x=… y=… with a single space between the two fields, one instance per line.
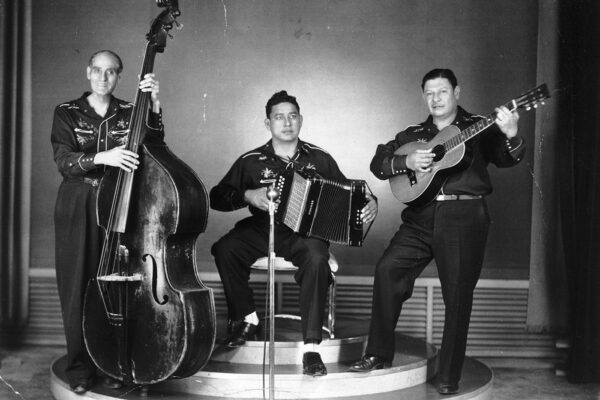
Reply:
x=246 y=184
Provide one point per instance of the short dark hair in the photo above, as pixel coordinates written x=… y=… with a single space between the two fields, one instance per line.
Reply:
x=112 y=53
x=440 y=73
x=280 y=97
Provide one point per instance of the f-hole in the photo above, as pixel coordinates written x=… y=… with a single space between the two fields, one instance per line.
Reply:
x=154 y=281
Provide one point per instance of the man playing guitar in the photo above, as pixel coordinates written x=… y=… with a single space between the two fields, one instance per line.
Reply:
x=450 y=224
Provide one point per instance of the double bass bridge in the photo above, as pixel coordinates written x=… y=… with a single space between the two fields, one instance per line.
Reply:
x=120 y=278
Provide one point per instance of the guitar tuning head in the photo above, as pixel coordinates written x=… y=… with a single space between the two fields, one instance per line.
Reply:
x=527 y=108
x=535 y=105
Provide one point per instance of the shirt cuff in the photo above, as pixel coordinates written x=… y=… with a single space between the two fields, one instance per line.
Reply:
x=513 y=144
x=398 y=164
x=86 y=161
x=155 y=120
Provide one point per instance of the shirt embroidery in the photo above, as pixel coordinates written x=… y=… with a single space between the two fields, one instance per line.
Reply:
x=267 y=173
x=121 y=136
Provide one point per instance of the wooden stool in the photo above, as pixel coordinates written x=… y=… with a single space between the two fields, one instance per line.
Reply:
x=262 y=264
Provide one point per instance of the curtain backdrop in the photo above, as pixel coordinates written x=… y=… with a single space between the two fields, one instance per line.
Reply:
x=579 y=181
x=15 y=161
x=547 y=304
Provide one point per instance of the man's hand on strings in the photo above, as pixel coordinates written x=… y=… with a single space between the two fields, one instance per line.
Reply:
x=151 y=84
x=420 y=160
x=119 y=157
x=507 y=121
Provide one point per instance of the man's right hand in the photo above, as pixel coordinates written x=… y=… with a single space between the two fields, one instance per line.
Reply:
x=257 y=198
x=118 y=157
x=420 y=160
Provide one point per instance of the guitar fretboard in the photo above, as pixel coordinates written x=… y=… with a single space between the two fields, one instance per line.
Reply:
x=474 y=129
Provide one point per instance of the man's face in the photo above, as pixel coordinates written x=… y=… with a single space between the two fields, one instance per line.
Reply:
x=441 y=98
x=103 y=74
x=284 y=122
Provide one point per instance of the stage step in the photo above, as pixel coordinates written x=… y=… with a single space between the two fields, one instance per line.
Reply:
x=414 y=366
x=241 y=374
x=348 y=346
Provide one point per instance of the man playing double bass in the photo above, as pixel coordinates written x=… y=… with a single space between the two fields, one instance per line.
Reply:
x=88 y=134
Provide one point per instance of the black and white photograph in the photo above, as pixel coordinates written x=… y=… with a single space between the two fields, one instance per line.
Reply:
x=299 y=199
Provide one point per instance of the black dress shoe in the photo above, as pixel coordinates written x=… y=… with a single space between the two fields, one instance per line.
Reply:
x=312 y=364
x=112 y=383
x=369 y=363
x=245 y=331
x=447 y=388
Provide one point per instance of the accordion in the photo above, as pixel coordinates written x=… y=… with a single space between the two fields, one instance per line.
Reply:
x=314 y=206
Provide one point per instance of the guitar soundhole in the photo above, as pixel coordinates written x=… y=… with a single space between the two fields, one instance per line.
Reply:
x=439 y=152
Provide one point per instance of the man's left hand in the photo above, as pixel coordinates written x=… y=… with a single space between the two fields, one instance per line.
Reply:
x=507 y=121
x=151 y=84
x=369 y=212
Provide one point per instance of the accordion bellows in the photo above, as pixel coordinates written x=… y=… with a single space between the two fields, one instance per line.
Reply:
x=314 y=206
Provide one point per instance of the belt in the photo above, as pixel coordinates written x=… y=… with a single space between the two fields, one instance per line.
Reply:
x=92 y=181
x=446 y=197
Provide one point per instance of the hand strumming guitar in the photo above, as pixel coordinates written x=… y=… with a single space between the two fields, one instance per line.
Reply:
x=420 y=160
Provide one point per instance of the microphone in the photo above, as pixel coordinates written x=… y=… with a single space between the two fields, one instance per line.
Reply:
x=272 y=193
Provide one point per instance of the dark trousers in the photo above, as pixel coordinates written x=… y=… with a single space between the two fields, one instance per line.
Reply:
x=78 y=240
x=249 y=240
x=453 y=233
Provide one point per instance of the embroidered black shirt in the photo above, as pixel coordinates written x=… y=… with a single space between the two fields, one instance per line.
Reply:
x=78 y=133
x=490 y=146
x=261 y=166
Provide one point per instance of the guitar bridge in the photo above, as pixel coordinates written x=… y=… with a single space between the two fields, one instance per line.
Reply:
x=412 y=177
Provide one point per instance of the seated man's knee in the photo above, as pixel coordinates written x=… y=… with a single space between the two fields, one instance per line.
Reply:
x=223 y=247
x=316 y=264
x=319 y=258
x=215 y=249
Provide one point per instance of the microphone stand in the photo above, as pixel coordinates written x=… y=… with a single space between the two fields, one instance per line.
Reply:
x=272 y=195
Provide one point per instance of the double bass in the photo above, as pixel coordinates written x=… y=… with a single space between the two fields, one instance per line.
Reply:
x=147 y=315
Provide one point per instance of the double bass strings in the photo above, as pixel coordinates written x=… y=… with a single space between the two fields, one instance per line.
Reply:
x=111 y=251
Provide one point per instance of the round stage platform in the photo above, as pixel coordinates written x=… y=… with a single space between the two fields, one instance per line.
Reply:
x=242 y=373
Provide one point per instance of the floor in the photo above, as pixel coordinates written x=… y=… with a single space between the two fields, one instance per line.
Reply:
x=24 y=375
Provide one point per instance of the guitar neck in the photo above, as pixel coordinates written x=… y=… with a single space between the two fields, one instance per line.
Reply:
x=475 y=129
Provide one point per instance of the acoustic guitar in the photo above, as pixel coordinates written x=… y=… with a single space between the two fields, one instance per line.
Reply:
x=417 y=188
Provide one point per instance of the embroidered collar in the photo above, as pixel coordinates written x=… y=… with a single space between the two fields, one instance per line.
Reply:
x=113 y=107
x=302 y=148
